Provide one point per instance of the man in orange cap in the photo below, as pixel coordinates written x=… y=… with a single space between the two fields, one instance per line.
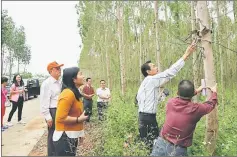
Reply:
x=49 y=92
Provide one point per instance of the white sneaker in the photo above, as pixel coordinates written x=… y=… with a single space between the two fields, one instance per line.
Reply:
x=9 y=124
x=21 y=122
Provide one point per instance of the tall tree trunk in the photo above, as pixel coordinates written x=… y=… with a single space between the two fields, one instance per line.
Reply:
x=235 y=10
x=219 y=49
x=195 y=55
x=140 y=41
x=177 y=17
x=18 y=65
x=157 y=36
x=2 y=59
x=168 y=46
x=11 y=64
x=25 y=68
x=211 y=120
x=121 y=59
x=123 y=83
x=106 y=55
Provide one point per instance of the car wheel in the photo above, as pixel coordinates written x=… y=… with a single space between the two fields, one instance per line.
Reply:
x=35 y=96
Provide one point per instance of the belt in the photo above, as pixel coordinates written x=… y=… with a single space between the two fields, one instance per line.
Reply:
x=87 y=99
x=164 y=138
x=153 y=114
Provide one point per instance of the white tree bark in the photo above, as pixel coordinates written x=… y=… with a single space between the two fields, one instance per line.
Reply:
x=120 y=35
x=211 y=118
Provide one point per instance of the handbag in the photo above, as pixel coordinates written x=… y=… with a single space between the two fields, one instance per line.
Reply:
x=8 y=103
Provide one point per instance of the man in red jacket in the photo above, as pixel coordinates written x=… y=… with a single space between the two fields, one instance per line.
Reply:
x=182 y=116
x=88 y=93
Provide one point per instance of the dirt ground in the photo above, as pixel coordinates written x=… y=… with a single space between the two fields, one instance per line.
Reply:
x=31 y=139
x=92 y=138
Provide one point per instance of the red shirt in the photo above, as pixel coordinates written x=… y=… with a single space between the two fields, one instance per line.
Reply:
x=182 y=117
x=88 y=91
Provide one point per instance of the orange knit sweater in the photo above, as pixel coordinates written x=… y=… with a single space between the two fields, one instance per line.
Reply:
x=68 y=105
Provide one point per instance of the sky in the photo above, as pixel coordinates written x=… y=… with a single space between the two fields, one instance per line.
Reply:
x=51 y=31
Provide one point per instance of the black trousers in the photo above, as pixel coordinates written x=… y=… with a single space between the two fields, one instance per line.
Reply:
x=88 y=103
x=51 y=148
x=66 y=146
x=15 y=105
x=148 y=128
x=101 y=106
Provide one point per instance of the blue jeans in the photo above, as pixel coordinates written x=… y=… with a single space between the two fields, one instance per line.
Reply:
x=162 y=147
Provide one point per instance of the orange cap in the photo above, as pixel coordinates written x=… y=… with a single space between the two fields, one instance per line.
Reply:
x=53 y=65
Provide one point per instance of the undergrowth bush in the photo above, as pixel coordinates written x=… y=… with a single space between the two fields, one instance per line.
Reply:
x=122 y=125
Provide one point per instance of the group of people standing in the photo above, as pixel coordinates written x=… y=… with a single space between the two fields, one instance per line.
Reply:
x=16 y=97
x=103 y=94
x=66 y=105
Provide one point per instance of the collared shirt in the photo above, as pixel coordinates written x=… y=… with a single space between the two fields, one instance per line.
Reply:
x=104 y=93
x=148 y=93
x=49 y=92
x=88 y=90
x=181 y=119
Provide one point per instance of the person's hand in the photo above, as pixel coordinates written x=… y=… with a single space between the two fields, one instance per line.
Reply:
x=50 y=123
x=21 y=91
x=190 y=49
x=81 y=140
x=91 y=95
x=214 y=88
x=199 y=89
x=83 y=117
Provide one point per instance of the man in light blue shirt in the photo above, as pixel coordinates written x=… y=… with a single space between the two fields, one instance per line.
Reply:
x=148 y=95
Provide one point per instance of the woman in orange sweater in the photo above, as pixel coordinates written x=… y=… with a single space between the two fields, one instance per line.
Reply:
x=69 y=115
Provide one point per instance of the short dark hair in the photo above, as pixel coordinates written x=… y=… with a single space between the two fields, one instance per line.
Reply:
x=88 y=78
x=102 y=80
x=186 y=89
x=145 y=67
x=4 y=79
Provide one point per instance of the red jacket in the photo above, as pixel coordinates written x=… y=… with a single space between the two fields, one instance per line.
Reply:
x=182 y=117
